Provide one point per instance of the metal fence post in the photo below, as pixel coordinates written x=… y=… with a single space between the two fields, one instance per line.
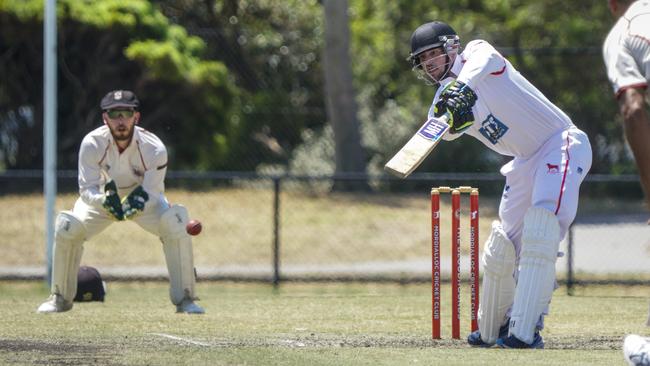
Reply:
x=276 y=231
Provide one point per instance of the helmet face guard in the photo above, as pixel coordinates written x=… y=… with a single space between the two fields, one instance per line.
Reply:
x=428 y=69
x=429 y=36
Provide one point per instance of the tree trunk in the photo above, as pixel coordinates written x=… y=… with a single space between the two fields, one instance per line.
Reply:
x=340 y=97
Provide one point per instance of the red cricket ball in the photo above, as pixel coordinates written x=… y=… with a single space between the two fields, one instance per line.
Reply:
x=194 y=227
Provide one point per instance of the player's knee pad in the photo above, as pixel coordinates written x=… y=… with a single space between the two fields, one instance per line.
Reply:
x=173 y=222
x=541 y=235
x=177 y=245
x=70 y=234
x=540 y=243
x=498 y=283
x=69 y=228
x=499 y=253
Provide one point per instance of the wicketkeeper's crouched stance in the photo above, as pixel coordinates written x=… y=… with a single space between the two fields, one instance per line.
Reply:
x=121 y=176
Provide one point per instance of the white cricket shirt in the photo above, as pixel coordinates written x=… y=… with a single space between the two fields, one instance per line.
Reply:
x=511 y=116
x=627 y=49
x=144 y=162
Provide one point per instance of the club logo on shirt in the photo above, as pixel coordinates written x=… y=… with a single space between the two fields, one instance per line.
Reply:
x=493 y=129
x=552 y=168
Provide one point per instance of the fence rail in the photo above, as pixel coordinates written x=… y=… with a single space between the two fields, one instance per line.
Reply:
x=206 y=175
x=592 y=255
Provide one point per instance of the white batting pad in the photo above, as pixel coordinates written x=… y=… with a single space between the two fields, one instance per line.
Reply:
x=498 y=289
x=636 y=350
x=70 y=234
x=177 y=246
x=540 y=243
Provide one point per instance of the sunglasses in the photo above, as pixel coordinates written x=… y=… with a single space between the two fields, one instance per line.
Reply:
x=117 y=113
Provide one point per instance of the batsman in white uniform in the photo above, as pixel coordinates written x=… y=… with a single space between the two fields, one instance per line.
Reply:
x=626 y=52
x=486 y=98
x=627 y=57
x=121 y=177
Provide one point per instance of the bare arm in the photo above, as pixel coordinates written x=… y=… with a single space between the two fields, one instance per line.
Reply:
x=636 y=124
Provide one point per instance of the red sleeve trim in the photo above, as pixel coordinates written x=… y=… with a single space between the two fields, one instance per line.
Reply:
x=499 y=72
x=633 y=86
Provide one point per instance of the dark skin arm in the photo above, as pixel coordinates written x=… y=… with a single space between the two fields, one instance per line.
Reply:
x=636 y=125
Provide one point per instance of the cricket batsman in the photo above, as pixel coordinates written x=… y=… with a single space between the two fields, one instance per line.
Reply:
x=485 y=97
x=122 y=170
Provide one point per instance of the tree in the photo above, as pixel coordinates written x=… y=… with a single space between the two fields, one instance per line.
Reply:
x=341 y=102
x=244 y=81
x=271 y=48
x=555 y=44
x=186 y=99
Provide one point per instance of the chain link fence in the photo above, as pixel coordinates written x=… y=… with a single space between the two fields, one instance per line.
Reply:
x=284 y=228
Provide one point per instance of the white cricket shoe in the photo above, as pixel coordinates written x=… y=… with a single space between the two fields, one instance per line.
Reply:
x=55 y=304
x=188 y=306
x=637 y=350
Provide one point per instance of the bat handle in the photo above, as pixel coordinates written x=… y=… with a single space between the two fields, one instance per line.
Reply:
x=444 y=118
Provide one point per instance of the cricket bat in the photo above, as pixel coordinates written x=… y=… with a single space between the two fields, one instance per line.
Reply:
x=418 y=147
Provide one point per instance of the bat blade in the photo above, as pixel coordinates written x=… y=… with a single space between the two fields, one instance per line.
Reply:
x=411 y=155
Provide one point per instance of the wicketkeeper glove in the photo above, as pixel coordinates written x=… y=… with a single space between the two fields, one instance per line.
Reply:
x=457 y=99
x=134 y=202
x=112 y=202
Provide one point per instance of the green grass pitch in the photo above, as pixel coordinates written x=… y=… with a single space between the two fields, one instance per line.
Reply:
x=298 y=324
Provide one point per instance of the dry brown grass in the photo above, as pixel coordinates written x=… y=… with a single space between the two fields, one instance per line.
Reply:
x=238 y=229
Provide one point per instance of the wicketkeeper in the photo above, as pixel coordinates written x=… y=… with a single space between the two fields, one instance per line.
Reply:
x=485 y=97
x=121 y=177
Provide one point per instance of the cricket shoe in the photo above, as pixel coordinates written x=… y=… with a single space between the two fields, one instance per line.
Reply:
x=188 y=306
x=55 y=304
x=514 y=342
x=474 y=339
x=637 y=350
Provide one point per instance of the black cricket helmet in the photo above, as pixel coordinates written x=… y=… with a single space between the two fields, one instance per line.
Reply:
x=429 y=36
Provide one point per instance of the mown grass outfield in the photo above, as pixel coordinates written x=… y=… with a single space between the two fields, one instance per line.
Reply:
x=297 y=324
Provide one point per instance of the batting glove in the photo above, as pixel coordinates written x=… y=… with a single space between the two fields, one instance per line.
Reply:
x=134 y=202
x=457 y=99
x=111 y=202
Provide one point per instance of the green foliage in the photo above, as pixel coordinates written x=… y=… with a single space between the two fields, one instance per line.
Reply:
x=316 y=155
x=242 y=80
x=25 y=10
x=271 y=49
x=555 y=44
x=113 y=44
